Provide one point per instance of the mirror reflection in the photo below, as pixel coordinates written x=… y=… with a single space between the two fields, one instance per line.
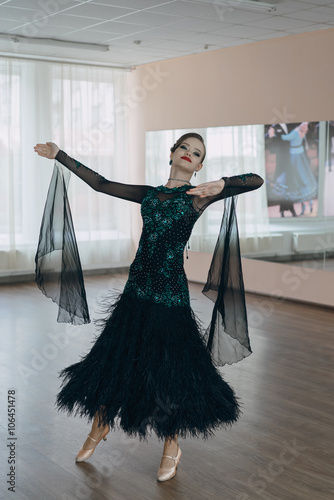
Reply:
x=291 y=218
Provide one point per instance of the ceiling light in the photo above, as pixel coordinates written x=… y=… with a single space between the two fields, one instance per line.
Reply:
x=241 y=4
x=80 y=62
x=53 y=42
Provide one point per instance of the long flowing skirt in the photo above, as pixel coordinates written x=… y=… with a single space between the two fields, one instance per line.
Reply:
x=150 y=370
x=296 y=184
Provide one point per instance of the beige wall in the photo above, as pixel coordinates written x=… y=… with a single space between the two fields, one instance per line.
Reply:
x=239 y=85
x=273 y=279
x=287 y=79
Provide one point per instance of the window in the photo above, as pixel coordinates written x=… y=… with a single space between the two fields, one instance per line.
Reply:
x=75 y=107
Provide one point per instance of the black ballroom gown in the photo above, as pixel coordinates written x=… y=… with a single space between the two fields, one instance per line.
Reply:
x=151 y=367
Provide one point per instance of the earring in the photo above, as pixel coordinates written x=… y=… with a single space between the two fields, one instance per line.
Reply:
x=195 y=173
x=170 y=162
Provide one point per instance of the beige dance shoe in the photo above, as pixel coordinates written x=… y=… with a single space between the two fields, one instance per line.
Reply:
x=85 y=454
x=165 y=474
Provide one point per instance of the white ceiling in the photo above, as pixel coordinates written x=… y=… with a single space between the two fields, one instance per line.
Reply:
x=165 y=29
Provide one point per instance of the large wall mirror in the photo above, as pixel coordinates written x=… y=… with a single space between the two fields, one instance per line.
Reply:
x=291 y=218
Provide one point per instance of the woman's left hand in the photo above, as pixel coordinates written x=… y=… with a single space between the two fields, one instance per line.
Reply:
x=207 y=188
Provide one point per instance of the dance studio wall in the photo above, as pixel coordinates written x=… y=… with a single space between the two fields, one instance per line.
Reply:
x=287 y=79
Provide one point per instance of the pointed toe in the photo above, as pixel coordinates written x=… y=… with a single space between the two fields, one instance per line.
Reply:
x=83 y=454
x=164 y=474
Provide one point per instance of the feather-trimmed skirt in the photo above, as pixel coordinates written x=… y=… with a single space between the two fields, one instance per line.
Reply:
x=150 y=370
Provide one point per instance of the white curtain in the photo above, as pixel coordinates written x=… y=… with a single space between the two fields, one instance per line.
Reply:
x=230 y=151
x=77 y=107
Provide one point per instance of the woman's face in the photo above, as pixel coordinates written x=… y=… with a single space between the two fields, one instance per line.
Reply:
x=188 y=156
x=304 y=127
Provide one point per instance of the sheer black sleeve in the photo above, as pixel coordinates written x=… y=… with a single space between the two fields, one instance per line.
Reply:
x=234 y=186
x=227 y=335
x=99 y=183
x=58 y=269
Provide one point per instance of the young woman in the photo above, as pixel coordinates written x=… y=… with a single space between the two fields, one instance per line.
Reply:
x=152 y=366
x=296 y=182
x=303 y=185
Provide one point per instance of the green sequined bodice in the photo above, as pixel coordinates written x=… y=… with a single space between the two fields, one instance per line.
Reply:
x=157 y=273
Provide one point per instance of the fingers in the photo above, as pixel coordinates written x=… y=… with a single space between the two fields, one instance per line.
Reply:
x=41 y=150
x=207 y=189
x=199 y=187
x=202 y=190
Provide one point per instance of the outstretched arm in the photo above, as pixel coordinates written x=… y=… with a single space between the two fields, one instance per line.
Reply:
x=96 y=181
x=209 y=192
x=290 y=136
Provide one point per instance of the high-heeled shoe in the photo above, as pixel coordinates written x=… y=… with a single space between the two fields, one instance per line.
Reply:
x=167 y=473
x=85 y=454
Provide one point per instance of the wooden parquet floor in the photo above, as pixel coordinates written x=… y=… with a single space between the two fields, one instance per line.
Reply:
x=281 y=449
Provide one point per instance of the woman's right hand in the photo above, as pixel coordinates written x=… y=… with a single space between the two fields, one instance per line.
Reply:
x=48 y=150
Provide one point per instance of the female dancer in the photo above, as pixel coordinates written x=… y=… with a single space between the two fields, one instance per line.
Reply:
x=151 y=365
x=297 y=183
x=303 y=184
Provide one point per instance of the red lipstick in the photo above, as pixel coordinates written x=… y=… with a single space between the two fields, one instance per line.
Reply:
x=186 y=158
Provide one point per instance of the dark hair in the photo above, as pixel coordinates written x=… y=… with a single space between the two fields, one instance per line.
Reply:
x=184 y=137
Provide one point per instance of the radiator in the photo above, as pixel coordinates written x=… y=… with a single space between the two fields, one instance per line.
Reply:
x=312 y=242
